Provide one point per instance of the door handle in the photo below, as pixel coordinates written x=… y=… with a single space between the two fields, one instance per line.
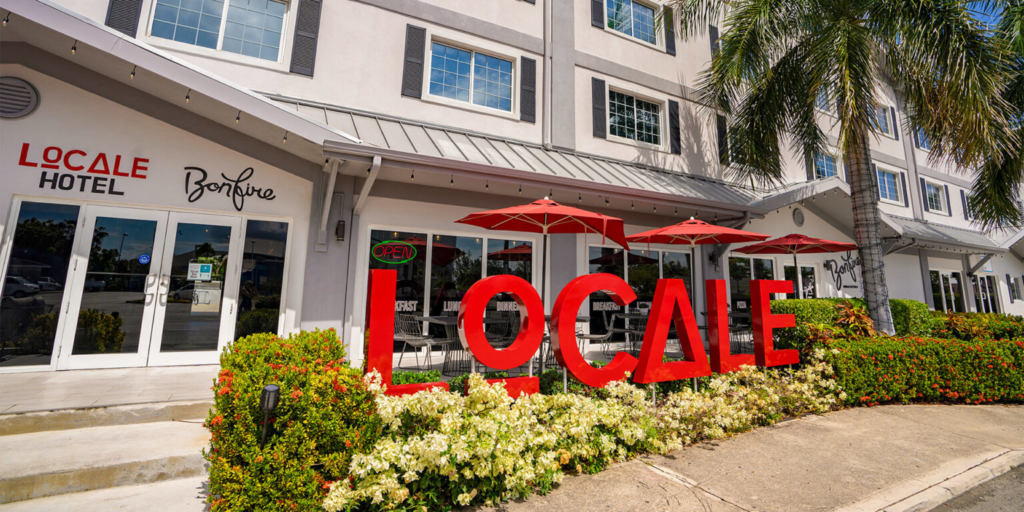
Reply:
x=163 y=289
x=150 y=294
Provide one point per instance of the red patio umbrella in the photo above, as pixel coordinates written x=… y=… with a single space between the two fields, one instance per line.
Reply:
x=797 y=244
x=695 y=232
x=521 y=252
x=547 y=217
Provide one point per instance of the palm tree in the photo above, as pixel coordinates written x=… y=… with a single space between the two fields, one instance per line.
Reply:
x=777 y=57
x=994 y=199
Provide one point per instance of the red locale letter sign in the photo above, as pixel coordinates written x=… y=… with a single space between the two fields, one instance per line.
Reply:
x=379 y=340
x=472 y=310
x=671 y=306
x=563 y=329
x=722 y=358
x=764 y=321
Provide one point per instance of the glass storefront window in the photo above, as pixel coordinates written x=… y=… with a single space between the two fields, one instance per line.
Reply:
x=641 y=269
x=741 y=271
x=947 y=291
x=456 y=264
x=259 y=294
x=412 y=274
x=806 y=286
x=35 y=282
x=508 y=257
x=644 y=272
x=677 y=265
x=604 y=260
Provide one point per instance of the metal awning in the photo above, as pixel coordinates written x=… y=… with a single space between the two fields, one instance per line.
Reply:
x=417 y=145
x=938 y=236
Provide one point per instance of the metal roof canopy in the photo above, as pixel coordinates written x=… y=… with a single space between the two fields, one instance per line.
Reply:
x=418 y=146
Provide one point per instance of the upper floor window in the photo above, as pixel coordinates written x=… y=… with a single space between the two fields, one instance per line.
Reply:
x=822 y=101
x=465 y=75
x=633 y=19
x=922 y=140
x=880 y=119
x=935 y=195
x=252 y=28
x=888 y=186
x=634 y=118
x=824 y=166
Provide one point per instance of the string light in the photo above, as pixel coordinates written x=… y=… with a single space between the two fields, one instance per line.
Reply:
x=452 y=182
x=6 y=19
x=187 y=95
x=580 y=198
x=487 y=184
x=132 y=76
x=655 y=208
x=551 y=194
x=520 y=190
x=606 y=202
x=413 y=177
x=631 y=207
x=238 y=117
x=74 y=46
x=676 y=212
x=285 y=140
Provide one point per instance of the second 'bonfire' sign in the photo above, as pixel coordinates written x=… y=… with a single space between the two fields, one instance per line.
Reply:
x=671 y=306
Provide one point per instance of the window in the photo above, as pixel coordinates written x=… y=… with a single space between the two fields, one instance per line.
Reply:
x=741 y=271
x=1014 y=285
x=805 y=286
x=935 y=195
x=822 y=101
x=253 y=27
x=633 y=118
x=263 y=273
x=947 y=291
x=922 y=140
x=464 y=75
x=888 y=187
x=633 y=19
x=880 y=119
x=824 y=166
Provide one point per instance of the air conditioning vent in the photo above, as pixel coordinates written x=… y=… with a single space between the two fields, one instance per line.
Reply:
x=17 y=98
x=798 y=217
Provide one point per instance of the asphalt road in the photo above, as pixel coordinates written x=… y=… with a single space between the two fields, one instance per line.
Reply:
x=1002 y=494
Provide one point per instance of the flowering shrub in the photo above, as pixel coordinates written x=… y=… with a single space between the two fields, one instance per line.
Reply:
x=325 y=415
x=880 y=370
x=440 y=449
x=970 y=326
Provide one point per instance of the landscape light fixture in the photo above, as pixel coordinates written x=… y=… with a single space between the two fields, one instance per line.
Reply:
x=268 y=402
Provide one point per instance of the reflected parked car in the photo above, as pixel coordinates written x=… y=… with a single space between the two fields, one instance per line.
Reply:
x=94 y=285
x=47 y=284
x=185 y=292
x=19 y=287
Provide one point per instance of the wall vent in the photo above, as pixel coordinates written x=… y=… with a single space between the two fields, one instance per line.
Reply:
x=798 y=217
x=17 y=98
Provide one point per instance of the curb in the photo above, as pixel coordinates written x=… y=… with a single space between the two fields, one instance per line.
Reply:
x=935 y=488
x=102 y=416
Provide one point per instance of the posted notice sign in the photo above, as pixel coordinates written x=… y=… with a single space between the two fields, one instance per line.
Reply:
x=200 y=271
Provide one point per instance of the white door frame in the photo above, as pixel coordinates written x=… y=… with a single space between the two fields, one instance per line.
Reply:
x=79 y=268
x=229 y=298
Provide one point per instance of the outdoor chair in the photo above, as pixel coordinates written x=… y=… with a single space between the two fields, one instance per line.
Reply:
x=410 y=331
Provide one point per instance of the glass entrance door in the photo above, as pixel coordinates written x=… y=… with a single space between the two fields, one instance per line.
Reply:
x=947 y=291
x=198 y=289
x=150 y=288
x=113 y=288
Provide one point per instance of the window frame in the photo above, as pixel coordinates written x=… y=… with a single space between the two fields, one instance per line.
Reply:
x=880 y=112
x=284 y=49
x=490 y=51
x=896 y=179
x=662 y=118
x=920 y=139
x=830 y=110
x=942 y=197
x=659 y=36
x=835 y=165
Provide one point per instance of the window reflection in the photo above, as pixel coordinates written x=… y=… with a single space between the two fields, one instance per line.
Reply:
x=411 y=274
x=34 y=285
x=456 y=264
x=259 y=294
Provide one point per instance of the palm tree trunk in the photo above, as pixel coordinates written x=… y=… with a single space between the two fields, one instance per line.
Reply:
x=867 y=224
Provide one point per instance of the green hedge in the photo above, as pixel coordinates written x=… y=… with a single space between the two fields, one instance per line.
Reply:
x=325 y=415
x=910 y=317
x=881 y=370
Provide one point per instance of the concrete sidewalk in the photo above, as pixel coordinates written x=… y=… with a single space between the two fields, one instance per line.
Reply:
x=893 y=458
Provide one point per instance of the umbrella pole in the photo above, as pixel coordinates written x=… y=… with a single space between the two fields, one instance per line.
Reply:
x=796 y=274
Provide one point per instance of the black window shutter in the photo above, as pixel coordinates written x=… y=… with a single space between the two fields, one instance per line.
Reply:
x=906 y=191
x=415 y=49
x=670 y=34
x=963 y=201
x=528 y=90
x=673 y=128
x=949 y=207
x=713 y=34
x=531 y=1
x=809 y=166
x=1009 y=287
x=307 y=26
x=597 y=13
x=874 y=178
x=123 y=16
x=723 y=140
x=600 y=116
x=895 y=124
x=924 y=195
x=917 y=140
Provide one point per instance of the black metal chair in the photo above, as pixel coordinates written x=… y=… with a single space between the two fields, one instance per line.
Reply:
x=410 y=331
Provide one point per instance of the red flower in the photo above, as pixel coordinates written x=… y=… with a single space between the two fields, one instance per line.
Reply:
x=296 y=394
x=217 y=420
x=224 y=391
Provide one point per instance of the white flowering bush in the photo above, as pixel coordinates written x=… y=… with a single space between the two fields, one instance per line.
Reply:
x=439 y=449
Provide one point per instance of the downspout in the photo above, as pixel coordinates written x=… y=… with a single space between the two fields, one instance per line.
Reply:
x=548 y=66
